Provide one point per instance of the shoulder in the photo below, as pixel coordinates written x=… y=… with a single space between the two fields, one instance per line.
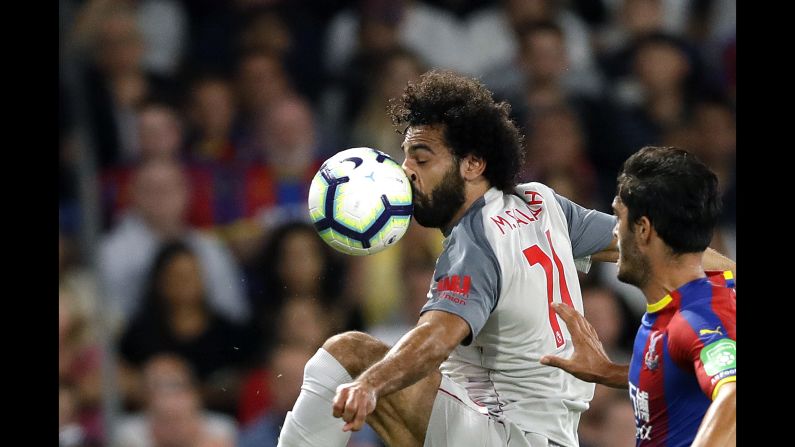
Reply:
x=527 y=189
x=208 y=246
x=468 y=247
x=721 y=278
x=539 y=196
x=130 y=235
x=708 y=305
x=699 y=324
x=469 y=234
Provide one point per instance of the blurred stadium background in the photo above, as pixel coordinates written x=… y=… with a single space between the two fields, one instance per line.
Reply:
x=191 y=289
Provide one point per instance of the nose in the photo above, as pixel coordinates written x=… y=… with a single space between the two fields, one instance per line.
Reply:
x=409 y=172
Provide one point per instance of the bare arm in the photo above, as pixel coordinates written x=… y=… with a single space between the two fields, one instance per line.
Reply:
x=418 y=353
x=716 y=261
x=607 y=254
x=589 y=361
x=720 y=423
x=712 y=259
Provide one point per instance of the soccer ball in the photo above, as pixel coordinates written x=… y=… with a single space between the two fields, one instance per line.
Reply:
x=360 y=201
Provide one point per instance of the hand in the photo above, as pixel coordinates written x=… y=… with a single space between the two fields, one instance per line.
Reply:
x=589 y=362
x=353 y=403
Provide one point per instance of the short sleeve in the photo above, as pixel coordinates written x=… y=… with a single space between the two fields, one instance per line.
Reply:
x=697 y=341
x=590 y=231
x=466 y=282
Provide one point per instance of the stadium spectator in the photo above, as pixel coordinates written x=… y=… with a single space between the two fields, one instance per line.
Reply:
x=417 y=273
x=295 y=262
x=117 y=83
x=174 y=415
x=79 y=369
x=654 y=100
x=261 y=80
x=158 y=213
x=287 y=152
x=606 y=313
x=372 y=127
x=302 y=322
x=160 y=138
x=176 y=317
x=556 y=151
x=212 y=109
x=376 y=280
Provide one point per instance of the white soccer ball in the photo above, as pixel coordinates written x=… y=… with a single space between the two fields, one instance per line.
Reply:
x=360 y=201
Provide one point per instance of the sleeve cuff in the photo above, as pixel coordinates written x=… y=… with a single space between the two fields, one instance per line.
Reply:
x=583 y=264
x=720 y=383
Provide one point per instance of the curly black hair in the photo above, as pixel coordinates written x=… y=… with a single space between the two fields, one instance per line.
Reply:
x=473 y=122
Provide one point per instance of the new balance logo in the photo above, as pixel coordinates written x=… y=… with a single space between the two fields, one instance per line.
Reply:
x=455 y=284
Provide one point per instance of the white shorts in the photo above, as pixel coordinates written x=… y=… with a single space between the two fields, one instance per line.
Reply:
x=458 y=421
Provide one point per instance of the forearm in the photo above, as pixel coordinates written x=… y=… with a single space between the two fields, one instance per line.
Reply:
x=607 y=254
x=716 y=261
x=589 y=362
x=615 y=376
x=720 y=422
x=418 y=353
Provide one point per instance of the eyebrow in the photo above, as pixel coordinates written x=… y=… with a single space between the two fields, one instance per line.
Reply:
x=418 y=147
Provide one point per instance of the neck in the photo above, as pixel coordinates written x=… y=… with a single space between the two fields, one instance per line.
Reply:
x=670 y=273
x=474 y=190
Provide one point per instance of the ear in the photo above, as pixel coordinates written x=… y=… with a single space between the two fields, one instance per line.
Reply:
x=472 y=167
x=643 y=231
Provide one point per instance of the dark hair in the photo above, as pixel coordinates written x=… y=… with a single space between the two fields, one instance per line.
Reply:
x=154 y=306
x=268 y=287
x=676 y=192
x=694 y=82
x=473 y=122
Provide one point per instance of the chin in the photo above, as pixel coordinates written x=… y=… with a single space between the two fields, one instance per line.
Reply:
x=624 y=276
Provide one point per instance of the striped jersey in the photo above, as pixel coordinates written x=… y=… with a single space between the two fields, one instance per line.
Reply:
x=502 y=265
x=683 y=352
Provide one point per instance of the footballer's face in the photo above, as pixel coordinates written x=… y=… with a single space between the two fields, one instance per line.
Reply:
x=436 y=181
x=633 y=265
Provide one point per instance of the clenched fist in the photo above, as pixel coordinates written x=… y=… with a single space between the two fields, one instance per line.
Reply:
x=353 y=403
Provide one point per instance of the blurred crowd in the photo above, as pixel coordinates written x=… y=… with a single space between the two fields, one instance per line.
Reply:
x=207 y=119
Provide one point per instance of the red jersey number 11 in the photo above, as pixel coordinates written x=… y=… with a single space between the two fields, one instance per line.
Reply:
x=535 y=255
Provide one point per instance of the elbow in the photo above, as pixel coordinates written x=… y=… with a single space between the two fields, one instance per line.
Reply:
x=439 y=344
x=441 y=350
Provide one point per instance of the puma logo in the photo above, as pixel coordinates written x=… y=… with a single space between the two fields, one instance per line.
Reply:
x=710 y=331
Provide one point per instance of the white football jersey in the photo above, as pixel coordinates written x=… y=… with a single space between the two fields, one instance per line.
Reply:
x=503 y=263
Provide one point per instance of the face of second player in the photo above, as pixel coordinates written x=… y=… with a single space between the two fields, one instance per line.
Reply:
x=632 y=264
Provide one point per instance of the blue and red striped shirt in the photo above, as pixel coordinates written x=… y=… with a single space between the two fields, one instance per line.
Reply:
x=684 y=351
